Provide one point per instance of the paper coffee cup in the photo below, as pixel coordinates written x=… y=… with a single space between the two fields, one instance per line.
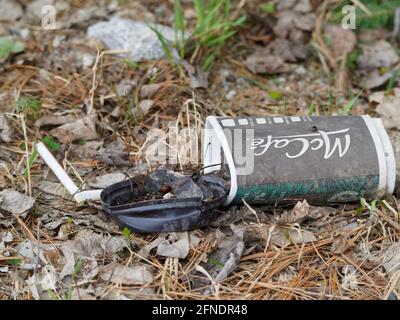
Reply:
x=324 y=159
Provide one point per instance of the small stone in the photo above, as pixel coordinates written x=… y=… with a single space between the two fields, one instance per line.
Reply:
x=145 y=106
x=87 y=60
x=25 y=33
x=230 y=95
x=125 y=87
x=168 y=195
x=136 y=37
x=10 y=10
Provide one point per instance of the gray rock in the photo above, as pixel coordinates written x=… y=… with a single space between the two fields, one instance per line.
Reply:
x=10 y=10
x=134 y=36
x=34 y=9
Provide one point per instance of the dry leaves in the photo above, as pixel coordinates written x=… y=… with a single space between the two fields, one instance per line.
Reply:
x=377 y=56
x=173 y=245
x=81 y=129
x=127 y=275
x=388 y=107
x=5 y=129
x=391 y=259
x=260 y=63
x=15 y=202
x=106 y=180
x=115 y=154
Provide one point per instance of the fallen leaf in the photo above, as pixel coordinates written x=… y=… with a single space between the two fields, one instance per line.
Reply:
x=296 y=215
x=148 y=91
x=33 y=253
x=55 y=120
x=81 y=129
x=5 y=129
x=41 y=282
x=8 y=47
x=305 y=22
x=82 y=294
x=145 y=106
x=127 y=275
x=53 y=188
x=341 y=244
x=88 y=244
x=5 y=237
x=174 y=245
x=285 y=4
x=115 y=154
x=376 y=55
x=339 y=40
x=302 y=211
x=88 y=150
x=89 y=268
x=349 y=280
x=283 y=237
x=289 y=21
x=259 y=63
x=125 y=87
x=303 y=6
x=388 y=107
x=198 y=77
x=106 y=180
x=374 y=79
x=222 y=261
x=287 y=50
x=394 y=137
x=15 y=202
x=284 y=24
x=391 y=258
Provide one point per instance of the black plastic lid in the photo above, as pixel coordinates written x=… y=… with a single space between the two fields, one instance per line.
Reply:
x=162 y=215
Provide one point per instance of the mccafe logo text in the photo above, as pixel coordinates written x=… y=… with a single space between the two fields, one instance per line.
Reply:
x=328 y=142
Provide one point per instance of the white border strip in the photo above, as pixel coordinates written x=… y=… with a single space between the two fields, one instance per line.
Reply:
x=216 y=140
x=64 y=178
x=383 y=174
x=389 y=156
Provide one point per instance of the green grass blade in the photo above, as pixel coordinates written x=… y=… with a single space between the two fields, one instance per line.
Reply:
x=31 y=161
x=164 y=42
x=200 y=10
x=179 y=28
x=390 y=85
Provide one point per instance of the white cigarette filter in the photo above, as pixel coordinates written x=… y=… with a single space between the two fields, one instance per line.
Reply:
x=64 y=178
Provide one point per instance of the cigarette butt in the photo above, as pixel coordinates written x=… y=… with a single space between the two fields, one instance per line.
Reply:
x=64 y=178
